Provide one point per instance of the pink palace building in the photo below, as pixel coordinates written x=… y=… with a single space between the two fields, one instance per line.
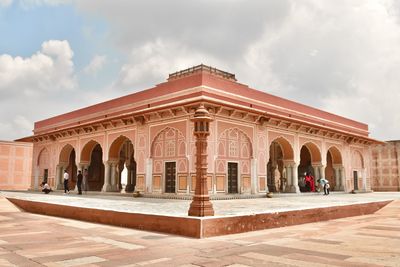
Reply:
x=258 y=142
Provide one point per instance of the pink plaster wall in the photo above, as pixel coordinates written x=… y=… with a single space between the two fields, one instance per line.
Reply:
x=15 y=165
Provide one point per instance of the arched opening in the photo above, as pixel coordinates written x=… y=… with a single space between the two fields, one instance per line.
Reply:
x=122 y=153
x=92 y=160
x=334 y=169
x=310 y=162
x=67 y=162
x=275 y=167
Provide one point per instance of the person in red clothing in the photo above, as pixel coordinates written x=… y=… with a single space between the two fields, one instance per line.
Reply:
x=312 y=183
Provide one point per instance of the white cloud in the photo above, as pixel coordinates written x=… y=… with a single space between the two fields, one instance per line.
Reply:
x=49 y=69
x=35 y=87
x=95 y=65
x=340 y=56
x=5 y=3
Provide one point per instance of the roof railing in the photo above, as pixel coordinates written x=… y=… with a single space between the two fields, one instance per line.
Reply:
x=199 y=68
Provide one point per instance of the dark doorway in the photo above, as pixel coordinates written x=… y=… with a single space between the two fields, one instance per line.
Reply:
x=355 y=175
x=170 y=177
x=232 y=178
x=45 y=175
x=96 y=169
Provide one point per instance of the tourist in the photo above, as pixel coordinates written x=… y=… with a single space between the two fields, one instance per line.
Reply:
x=326 y=188
x=312 y=183
x=66 y=178
x=79 y=182
x=325 y=184
x=46 y=188
x=307 y=182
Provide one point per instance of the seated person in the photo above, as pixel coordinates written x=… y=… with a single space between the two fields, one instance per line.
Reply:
x=46 y=188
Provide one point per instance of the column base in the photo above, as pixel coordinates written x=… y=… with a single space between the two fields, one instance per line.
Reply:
x=294 y=189
x=107 y=188
x=200 y=207
x=341 y=188
x=60 y=186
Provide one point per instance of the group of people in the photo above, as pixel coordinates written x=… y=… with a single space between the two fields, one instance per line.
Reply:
x=309 y=182
x=81 y=183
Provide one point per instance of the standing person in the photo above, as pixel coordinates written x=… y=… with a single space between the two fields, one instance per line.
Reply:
x=85 y=180
x=79 y=182
x=66 y=178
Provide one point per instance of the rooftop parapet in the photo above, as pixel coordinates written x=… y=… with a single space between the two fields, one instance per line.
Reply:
x=202 y=68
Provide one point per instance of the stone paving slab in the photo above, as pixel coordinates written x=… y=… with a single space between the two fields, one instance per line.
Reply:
x=370 y=240
x=223 y=208
x=241 y=215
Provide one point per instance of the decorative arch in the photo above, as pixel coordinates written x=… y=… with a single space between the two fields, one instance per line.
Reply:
x=357 y=160
x=43 y=156
x=65 y=153
x=314 y=150
x=234 y=143
x=116 y=145
x=336 y=155
x=286 y=147
x=86 y=152
x=169 y=142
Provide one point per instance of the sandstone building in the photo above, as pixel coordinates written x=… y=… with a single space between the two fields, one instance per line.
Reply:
x=15 y=165
x=256 y=138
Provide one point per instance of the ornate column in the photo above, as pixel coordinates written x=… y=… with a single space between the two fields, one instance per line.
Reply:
x=201 y=205
x=107 y=185
x=342 y=179
x=113 y=178
x=59 y=184
x=294 y=188
x=321 y=174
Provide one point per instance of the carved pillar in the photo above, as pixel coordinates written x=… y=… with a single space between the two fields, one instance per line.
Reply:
x=59 y=183
x=201 y=205
x=294 y=188
x=321 y=175
x=107 y=182
x=342 y=179
x=337 y=179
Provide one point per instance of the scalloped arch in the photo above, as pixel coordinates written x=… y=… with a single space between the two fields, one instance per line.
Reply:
x=336 y=154
x=286 y=146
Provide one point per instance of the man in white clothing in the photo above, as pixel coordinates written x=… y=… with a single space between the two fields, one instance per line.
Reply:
x=66 y=178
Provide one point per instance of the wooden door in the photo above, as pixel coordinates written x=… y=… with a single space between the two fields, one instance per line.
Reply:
x=170 y=177
x=232 y=178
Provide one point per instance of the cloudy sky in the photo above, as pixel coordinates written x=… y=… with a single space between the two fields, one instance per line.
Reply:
x=337 y=55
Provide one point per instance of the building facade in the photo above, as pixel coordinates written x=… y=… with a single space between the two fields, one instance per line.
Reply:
x=385 y=167
x=258 y=142
x=15 y=165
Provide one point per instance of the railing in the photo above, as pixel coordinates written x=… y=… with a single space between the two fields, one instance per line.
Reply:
x=199 y=68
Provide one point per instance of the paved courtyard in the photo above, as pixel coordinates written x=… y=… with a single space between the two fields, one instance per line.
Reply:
x=173 y=207
x=35 y=240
